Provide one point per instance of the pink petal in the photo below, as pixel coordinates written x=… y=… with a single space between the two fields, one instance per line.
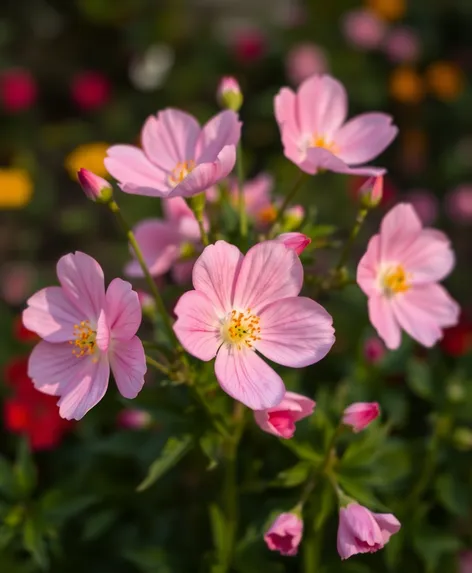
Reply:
x=383 y=320
x=135 y=173
x=285 y=109
x=170 y=138
x=388 y=523
x=123 y=309
x=82 y=279
x=159 y=242
x=317 y=158
x=322 y=105
x=269 y=272
x=51 y=315
x=367 y=270
x=300 y=405
x=364 y=137
x=429 y=258
x=247 y=378
x=424 y=310
x=176 y=209
x=128 y=364
x=295 y=332
x=399 y=228
x=205 y=175
x=214 y=274
x=223 y=129
x=197 y=326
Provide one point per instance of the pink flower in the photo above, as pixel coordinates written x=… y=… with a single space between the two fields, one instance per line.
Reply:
x=229 y=93
x=402 y=45
x=281 y=419
x=134 y=419
x=459 y=203
x=315 y=136
x=85 y=331
x=95 y=188
x=425 y=205
x=179 y=159
x=304 y=60
x=18 y=90
x=361 y=531
x=90 y=90
x=363 y=29
x=296 y=241
x=400 y=272
x=374 y=350
x=249 y=44
x=285 y=534
x=360 y=414
x=170 y=243
x=243 y=306
x=465 y=562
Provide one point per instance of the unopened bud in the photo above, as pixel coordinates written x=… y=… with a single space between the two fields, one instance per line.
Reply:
x=148 y=304
x=298 y=242
x=370 y=194
x=95 y=188
x=229 y=94
x=293 y=218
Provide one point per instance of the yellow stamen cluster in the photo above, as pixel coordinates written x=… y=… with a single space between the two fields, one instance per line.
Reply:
x=242 y=328
x=85 y=339
x=180 y=172
x=395 y=280
x=320 y=141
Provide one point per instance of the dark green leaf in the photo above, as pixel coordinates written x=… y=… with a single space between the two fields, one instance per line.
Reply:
x=98 y=524
x=7 y=478
x=418 y=376
x=211 y=444
x=453 y=494
x=303 y=450
x=33 y=541
x=25 y=470
x=219 y=528
x=293 y=476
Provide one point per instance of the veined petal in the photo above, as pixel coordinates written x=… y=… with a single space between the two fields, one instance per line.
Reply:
x=221 y=130
x=317 y=158
x=128 y=364
x=399 y=229
x=123 y=309
x=367 y=270
x=429 y=258
x=383 y=320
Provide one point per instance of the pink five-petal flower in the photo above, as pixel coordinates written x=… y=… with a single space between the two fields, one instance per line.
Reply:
x=315 y=135
x=168 y=243
x=281 y=419
x=399 y=273
x=179 y=158
x=86 y=331
x=362 y=531
x=360 y=414
x=285 y=534
x=244 y=306
x=296 y=241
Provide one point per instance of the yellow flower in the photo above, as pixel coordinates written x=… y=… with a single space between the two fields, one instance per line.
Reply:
x=90 y=156
x=16 y=188
x=388 y=9
x=445 y=80
x=406 y=85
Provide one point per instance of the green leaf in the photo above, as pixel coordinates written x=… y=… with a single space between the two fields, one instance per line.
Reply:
x=98 y=524
x=303 y=450
x=173 y=451
x=7 y=478
x=211 y=444
x=219 y=527
x=360 y=492
x=418 y=377
x=326 y=502
x=149 y=560
x=24 y=470
x=452 y=494
x=431 y=544
x=365 y=447
x=33 y=542
x=293 y=476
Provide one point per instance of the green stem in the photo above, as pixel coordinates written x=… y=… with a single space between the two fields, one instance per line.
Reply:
x=241 y=202
x=361 y=215
x=115 y=209
x=312 y=543
x=197 y=204
x=157 y=365
x=288 y=199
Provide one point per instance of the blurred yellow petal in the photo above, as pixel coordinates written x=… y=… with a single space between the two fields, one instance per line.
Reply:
x=445 y=80
x=89 y=156
x=406 y=85
x=16 y=188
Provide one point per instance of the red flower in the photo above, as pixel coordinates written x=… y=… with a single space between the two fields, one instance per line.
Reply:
x=90 y=90
x=29 y=412
x=457 y=340
x=18 y=90
x=249 y=45
x=21 y=333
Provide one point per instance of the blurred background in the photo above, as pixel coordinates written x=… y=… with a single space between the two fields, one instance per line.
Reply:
x=79 y=75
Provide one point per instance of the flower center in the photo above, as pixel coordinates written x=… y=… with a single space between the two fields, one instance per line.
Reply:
x=85 y=342
x=395 y=280
x=267 y=215
x=241 y=328
x=180 y=172
x=321 y=141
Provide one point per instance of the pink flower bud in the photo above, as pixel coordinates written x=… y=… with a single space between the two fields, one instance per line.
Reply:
x=371 y=193
x=362 y=531
x=148 y=304
x=360 y=414
x=280 y=420
x=374 y=350
x=229 y=94
x=134 y=419
x=285 y=534
x=298 y=242
x=293 y=217
x=96 y=188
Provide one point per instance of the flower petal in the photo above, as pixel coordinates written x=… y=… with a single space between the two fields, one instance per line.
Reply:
x=383 y=320
x=123 y=309
x=317 y=158
x=399 y=229
x=82 y=279
x=51 y=315
x=429 y=258
x=246 y=377
x=364 y=137
x=367 y=270
x=223 y=129
x=269 y=272
x=128 y=364
x=388 y=523
x=197 y=326
x=214 y=274
x=295 y=332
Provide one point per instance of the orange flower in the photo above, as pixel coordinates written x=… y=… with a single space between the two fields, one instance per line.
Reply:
x=387 y=9
x=406 y=85
x=445 y=80
x=16 y=188
x=89 y=156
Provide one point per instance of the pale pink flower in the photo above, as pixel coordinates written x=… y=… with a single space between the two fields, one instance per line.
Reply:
x=374 y=350
x=85 y=331
x=360 y=414
x=280 y=420
x=362 y=531
x=285 y=534
x=315 y=135
x=363 y=29
x=425 y=205
x=169 y=244
x=402 y=45
x=459 y=203
x=244 y=306
x=179 y=158
x=304 y=60
x=400 y=272
x=95 y=188
x=296 y=241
